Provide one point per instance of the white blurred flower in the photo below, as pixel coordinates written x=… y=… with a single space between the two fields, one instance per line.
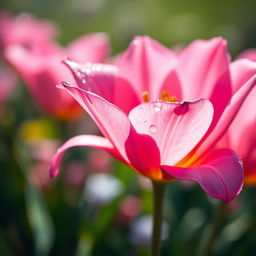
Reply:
x=141 y=229
x=102 y=188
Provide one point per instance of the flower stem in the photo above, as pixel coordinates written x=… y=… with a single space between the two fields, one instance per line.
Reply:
x=158 y=196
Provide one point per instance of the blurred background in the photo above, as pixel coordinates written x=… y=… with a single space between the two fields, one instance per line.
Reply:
x=171 y=22
x=98 y=206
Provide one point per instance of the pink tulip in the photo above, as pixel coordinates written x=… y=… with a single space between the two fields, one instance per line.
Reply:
x=249 y=54
x=41 y=70
x=241 y=136
x=25 y=30
x=163 y=140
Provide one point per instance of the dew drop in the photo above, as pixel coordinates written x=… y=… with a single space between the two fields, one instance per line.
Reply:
x=153 y=128
x=136 y=42
x=158 y=107
x=83 y=81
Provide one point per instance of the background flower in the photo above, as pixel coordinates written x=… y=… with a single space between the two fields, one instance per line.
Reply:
x=41 y=68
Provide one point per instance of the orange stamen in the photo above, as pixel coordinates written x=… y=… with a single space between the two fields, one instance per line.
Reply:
x=145 y=97
x=165 y=95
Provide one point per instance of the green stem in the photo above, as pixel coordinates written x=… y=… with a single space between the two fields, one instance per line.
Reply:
x=214 y=229
x=158 y=196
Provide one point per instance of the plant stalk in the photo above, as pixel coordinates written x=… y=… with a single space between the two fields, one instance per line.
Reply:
x=158 y=197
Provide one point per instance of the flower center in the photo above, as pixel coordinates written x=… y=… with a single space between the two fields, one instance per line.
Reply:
x=165 y=96
x=145 y=97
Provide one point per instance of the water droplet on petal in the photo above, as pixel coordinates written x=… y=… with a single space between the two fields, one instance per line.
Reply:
x=83 y=81
x=136 y=42
x=153 y=128
x=158 y=107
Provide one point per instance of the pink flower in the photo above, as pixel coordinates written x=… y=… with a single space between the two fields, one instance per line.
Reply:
x=241 y=136
x=132 y=105
x=249 y=54
x=7 y=84
x=41 y=151
x=130 y=207
x=25 y=30
x=41 y=70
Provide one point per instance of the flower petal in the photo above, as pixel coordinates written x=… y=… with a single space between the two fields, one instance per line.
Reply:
x=220 y=175
x=112 y=121
x=241 y=71
x=41 y=73
x=212 y=137
x=146 y=65
x=203 y=70
x=241 y=138
x=249 y=54
x=80 y=140
x=243 y=126
x=93 y=48
x=143 y=155
x=104 y=81
x=175 y=127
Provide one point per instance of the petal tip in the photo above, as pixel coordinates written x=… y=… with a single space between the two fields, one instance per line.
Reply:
x=53 y=172
x=65 y=84
x=69 y=62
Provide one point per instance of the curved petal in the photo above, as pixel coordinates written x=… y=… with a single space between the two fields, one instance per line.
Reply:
x=143 y=155
x=242 y=139
x=80 y=140
x=243 y=128
x=175 y=127
x=112 y=121
x=241 y=71
x=146 y=64
x=104 y=81
x=249 y=54
x=203 y=70
x=201 y=65
x=93 y=48
x=212 y=137
x=220 y=175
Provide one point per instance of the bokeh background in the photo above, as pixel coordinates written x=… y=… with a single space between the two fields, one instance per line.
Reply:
x=97 y=206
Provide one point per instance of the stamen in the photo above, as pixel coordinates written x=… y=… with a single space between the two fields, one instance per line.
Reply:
x=165 y=95
x=173 y=99
x=145 y=97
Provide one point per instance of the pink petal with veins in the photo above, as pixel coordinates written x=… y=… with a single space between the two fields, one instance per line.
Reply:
x=112 y=121
x=175 y=127
x=203 y=70
x=105 y=81
x=146 y=65
x=220 y=175
x=212 y=137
